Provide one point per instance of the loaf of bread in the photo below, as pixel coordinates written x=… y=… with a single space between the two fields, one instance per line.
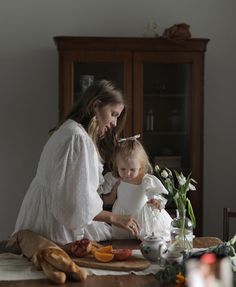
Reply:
x=29 y=243
x=45 y=254
x=60 y=260
x=79 y=274
x=52 y=273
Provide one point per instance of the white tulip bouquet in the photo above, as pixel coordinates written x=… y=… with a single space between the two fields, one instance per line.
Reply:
x=178 y=186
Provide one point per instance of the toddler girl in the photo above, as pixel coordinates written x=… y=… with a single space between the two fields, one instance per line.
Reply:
x=139 y=193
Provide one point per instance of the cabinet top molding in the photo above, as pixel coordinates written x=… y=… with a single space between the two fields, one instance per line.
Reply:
x=129 y=43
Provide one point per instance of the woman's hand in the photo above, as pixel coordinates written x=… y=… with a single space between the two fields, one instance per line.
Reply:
x=122 y=221
x=126 y=222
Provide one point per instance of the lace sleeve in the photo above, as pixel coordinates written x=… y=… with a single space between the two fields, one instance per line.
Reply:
x=107 y=185
x=155 y=189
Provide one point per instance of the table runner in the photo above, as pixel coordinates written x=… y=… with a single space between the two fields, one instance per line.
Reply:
x=17 y=267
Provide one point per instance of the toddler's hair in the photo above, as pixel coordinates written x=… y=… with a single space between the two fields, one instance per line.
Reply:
x=126 y=148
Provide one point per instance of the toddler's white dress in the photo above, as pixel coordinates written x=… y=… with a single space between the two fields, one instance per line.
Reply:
x=132 y=198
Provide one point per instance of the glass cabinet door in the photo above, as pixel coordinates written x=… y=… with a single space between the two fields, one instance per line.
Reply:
x=86 y=73
x=163 y=99
x=168 y=112
x=166 y=108
x=85 y=67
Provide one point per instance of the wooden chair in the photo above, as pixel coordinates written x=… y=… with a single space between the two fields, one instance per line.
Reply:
x=227 y=214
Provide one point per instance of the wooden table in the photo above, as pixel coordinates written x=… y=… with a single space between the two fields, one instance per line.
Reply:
x=112 y=280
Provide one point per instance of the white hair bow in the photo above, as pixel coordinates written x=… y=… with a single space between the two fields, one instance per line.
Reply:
x=133 y=138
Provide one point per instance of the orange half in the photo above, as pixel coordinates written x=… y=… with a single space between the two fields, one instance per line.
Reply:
x=105 y=249
x=103 y=257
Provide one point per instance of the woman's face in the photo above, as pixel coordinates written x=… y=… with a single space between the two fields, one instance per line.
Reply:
x=107 y=117
x=128 y=169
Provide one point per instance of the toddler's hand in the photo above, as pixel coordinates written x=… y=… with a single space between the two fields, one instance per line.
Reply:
x=155 y=203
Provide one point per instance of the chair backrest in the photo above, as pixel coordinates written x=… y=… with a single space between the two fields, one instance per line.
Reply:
x=227 y=214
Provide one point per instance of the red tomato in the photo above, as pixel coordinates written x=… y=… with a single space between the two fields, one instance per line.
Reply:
x=122 y=254
x=81 y=247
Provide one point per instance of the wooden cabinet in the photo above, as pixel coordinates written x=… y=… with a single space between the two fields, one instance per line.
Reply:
x=164 y=84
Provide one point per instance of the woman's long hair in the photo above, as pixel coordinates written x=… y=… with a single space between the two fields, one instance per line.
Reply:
x=103 y=93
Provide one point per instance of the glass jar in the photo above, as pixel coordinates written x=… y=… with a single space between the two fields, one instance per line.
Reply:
x=181 y=231
x=172 y=256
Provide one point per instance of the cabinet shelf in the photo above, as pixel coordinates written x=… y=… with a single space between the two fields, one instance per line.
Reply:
x=165 y=133
x=164 y=95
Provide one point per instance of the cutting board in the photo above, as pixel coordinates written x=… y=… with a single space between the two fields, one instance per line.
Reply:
x=132 y=263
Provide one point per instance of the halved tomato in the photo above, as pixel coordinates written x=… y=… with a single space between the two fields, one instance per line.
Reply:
x=122 y=254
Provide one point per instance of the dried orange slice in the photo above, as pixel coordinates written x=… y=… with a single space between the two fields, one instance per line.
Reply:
x=103 y=257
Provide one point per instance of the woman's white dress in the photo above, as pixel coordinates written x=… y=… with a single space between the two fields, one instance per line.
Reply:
x=132 y=198
x=62 y=199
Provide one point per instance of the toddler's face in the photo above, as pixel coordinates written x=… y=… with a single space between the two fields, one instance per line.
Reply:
x=128 y=170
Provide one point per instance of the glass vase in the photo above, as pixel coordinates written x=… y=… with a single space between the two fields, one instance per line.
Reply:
x=181 y=232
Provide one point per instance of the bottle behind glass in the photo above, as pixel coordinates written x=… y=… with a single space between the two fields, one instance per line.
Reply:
x=150 y=121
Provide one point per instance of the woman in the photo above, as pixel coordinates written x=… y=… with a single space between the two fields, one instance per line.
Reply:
x=62 y=202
